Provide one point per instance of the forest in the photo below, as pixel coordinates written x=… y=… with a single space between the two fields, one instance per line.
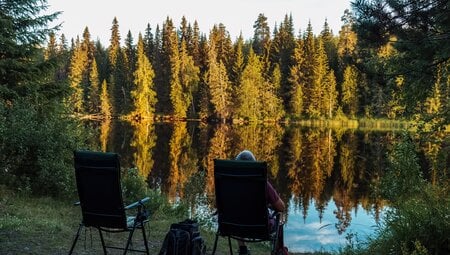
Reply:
x=399 y=71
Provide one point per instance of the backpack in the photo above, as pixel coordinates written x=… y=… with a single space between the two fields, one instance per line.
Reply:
x=183 y=238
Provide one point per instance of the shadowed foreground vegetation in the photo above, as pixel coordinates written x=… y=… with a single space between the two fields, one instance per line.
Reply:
x=44 y=225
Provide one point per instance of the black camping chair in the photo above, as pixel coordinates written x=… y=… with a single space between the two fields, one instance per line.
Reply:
x=241 y=202
x=99 y=190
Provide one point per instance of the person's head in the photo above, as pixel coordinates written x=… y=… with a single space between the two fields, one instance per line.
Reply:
x=246 y=155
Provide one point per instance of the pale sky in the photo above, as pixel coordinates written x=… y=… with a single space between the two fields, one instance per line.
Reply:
x=237 y=15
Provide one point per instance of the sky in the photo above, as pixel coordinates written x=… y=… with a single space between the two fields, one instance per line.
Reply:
x=237 y=15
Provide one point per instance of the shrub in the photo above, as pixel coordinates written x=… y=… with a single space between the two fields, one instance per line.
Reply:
x=404 y=176
x=135 y=187
x=418 y=225
x=37 y=149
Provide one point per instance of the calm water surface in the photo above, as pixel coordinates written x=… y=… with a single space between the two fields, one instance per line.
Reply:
x=324 y=175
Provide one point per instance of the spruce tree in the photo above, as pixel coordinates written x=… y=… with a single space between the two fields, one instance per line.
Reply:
x=194 y=45
x=94 y=89
x=169 y=88
x=238 y=61
x=218 y=84
x=249 y=90
x=143 y=94
x=281 y=52
x=298 y=81
x=149 y=44
x=105 y=101
x=129 y=53
x=189 y=79
x=350 y=91
x=223 y=44
x=308 y=67
x=273 y=105
x=78 y=65
x=114 y=46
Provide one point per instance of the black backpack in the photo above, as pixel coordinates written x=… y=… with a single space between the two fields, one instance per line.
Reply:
x=183 y=238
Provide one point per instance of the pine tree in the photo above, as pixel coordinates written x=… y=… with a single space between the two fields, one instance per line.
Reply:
x=143 y=94
x=347 y=39
x=261 y=36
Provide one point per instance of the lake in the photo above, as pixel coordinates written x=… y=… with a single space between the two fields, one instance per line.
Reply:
x=324 y=175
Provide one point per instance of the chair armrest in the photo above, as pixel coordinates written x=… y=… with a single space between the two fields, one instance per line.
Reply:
x=137 y=203
x=77 y=203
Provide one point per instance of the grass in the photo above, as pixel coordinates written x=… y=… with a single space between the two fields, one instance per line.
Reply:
x=44 y=225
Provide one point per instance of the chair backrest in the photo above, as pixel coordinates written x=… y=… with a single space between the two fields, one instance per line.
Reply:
x=99 y=190
x=240 y=188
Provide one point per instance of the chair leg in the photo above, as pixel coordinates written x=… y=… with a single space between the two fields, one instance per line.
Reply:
x=215 y=244
x=229 y=244
x=130 y=236
x=103 y=241
x=145 y=239
x=76 y=238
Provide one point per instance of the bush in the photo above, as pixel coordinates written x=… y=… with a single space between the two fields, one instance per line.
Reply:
x=404 y=175
x=37 y=149
x=419 y=225
x=417 y=221
x=135 y=187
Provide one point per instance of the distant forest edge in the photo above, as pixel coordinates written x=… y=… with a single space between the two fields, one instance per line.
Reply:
x=400 y=70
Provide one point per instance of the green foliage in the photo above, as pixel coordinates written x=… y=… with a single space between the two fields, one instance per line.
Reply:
x=415 y=29
x=23 y=28
x=218 y=84
x=134 y=186
x=403 y=178
x=36 y=139
x=37 y=150
x=417 y=225
x=417 y=220
x=105 y=101
x=350 y=91
x=143 y=95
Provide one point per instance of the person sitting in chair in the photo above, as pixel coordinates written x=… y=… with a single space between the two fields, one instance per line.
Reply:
x=272 y=197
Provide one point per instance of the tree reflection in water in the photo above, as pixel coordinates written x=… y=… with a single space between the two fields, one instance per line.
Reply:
x=327 y=170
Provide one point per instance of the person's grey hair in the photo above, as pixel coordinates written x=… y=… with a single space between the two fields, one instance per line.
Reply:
x=246 y=155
